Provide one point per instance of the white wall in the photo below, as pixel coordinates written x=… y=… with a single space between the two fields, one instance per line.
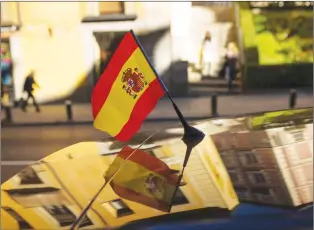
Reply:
x=180 y=25
x=60 y=62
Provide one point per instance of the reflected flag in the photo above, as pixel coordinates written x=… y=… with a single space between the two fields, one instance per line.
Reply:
x=127 y=91
x=143 y=178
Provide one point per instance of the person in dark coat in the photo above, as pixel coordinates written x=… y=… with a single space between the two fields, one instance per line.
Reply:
x=2 y=89
x=231 y=61
x=29 y=89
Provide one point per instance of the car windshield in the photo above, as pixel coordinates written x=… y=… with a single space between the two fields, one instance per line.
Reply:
x=258 y=164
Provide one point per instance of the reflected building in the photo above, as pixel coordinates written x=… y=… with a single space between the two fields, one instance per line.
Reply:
x=273 y=166
x=205 y=174
x=53 y=193
x=235 y=161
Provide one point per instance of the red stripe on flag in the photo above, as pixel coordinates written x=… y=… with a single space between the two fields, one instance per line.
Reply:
x=142 y=108
x=150 y=162
x=102 y=89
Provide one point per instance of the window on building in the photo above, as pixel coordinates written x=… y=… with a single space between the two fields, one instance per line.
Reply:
x=62 y=214
x=29 y=176
x=240 y=189
x=108 y=42
x=277 y=140
x=308 y=172
x=37 y=197
x=298 y=135
x=111 y=8
x=242 y=192
x=118 y=208
x=22 y=223
x=262 y=191
x=250 y=158
x=65 y=217
x=86 y=222
x=217 y=142
x=259 y=178
x=234 y=176
x=297 y=132
x=179 y=198
x=303 y=150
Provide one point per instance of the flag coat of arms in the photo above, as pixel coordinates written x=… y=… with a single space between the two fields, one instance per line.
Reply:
x=126 y=92
x=143 y=178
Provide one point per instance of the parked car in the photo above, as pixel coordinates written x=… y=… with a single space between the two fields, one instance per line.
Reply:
x=249 y=172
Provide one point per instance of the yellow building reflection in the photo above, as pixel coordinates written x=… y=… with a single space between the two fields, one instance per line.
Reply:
x=268 y=162
x=52 y=193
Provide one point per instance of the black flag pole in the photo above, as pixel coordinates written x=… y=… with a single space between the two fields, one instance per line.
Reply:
x=191 y=136
x=187 y=154
x=190 y=133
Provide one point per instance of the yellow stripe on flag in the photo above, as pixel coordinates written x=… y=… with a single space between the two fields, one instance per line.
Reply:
x=119 y=105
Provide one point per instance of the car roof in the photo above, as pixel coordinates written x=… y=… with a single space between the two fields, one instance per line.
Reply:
x=65 y=181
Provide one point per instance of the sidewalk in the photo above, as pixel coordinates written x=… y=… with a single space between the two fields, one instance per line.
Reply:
x=191 y=108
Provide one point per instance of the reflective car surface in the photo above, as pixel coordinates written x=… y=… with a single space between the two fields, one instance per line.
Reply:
x=249 y=170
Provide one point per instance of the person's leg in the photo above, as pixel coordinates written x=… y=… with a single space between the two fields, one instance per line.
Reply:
x=2 y=89
x=35 y=103
x=229 y=78
x=230 y=84
x=24 y=102
x=233 y=74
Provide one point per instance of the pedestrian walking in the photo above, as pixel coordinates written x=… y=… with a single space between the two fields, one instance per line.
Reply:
x=29 y=89
x=231 y=58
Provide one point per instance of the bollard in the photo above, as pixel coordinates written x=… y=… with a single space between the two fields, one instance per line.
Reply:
x=68 y=106
x=214 y=105
x=293 y=98
x=8 y=114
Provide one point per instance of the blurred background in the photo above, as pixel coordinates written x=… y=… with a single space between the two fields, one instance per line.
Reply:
x=216 y=59
x=68 y=44
x=266 y=48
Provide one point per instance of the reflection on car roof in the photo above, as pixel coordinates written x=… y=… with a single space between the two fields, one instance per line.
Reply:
x=241 y=160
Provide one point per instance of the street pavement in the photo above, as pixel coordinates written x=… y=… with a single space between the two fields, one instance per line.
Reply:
x=192 y=108
x=21 y=146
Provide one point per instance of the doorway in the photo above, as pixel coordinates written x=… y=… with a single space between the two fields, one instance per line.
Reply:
x=108 y=42
x=213 y=27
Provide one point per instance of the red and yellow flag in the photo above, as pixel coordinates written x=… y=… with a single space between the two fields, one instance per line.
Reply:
x=126 y=92
x=143 y=179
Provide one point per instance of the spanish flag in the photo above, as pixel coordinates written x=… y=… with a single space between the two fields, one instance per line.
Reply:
x=126 y=92
x=143 y=179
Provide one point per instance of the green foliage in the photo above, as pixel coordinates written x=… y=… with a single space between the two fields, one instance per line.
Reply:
x=279 y=36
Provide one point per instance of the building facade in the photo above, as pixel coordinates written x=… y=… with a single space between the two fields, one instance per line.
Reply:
x=66 y=51
x=273 y=166
x=69 y=52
